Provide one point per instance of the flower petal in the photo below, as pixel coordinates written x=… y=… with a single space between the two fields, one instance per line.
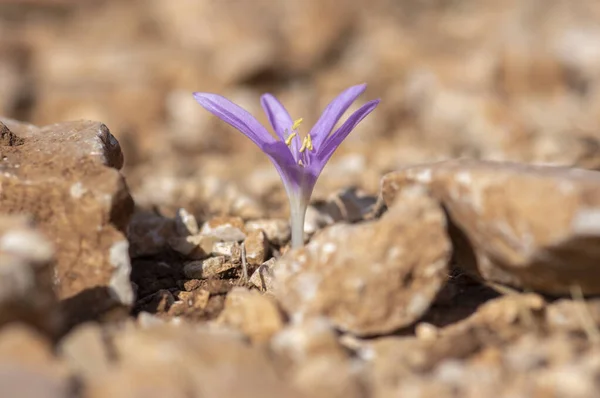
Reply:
x=333 y=142
x=332 y=114
x=297 y=180
x=281 y=121
x=236 y=117
x=278 y=116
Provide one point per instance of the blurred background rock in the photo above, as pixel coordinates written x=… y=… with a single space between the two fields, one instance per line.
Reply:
x=504 y=80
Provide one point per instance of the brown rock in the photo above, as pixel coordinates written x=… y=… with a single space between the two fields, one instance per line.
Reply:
x=207 y=268
x=150 y=234
x=26 y=266
x=159 y=302
x=185 y=223
x=315 y=362
x=85 y=351
x=263 y=277
x=199 y=193
x=28 y=368
x=298 y=342
x=230 y=250
x=181 y=361
x=197 y=298
x=349 y=205
x=370 y=278
x=195 y=247
x=397 y=364
x=225 y=228
x=532 y=227
x=573 y=316
x=277 y=231
x=254 y=314
x=191 y=284
x=66 y=177
x=256 y=246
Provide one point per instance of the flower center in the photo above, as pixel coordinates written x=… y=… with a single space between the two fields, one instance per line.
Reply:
x=306 y=143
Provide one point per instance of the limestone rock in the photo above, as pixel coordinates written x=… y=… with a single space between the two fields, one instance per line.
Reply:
x=370 y=278
x=149 y=233
x=26 y=269
x=278 y=231
x=66 y=177
x=230 y=250
x=185 y=223
x=197 y=298
x=203 y=269
x=533 y=227
x=228 y=229
x=28 y=367
x=349 y=205
x=315 y=362
x=181 y=361
x=254 y=314
x=263 y=277
x=256 y=246
x=196 y=247
x=85 y=351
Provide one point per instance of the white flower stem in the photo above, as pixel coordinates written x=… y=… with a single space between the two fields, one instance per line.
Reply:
x=297 y=215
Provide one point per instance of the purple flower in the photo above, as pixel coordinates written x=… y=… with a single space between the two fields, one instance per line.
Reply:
x=299 y=161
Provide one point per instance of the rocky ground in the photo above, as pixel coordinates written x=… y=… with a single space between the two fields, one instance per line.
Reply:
x=452 y=243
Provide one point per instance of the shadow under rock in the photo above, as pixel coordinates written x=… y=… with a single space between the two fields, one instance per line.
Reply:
x=462 y=294
x=458 y=299
x=94 y=304
x=151 y=274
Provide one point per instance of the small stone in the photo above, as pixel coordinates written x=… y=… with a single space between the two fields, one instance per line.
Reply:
x=278 y=231
x=197 y=299
x=28 y=367
x=148 y=320
x=185 y=223
x=159 y=302
x=228 y=229
x=196 y=247
x=231 y=250
x=207 y=268
x=85 y=351
x=263 y=277
x=426 y=331
x=188 y=361
x=349 y=205
x=26 y=269
x=315 y=361
x=370 y=278
x=315 y=220
x=254 y=314
x=149 y=233
x=313 y=337
x=256 y=246
x=192 y=284
x=569 y=315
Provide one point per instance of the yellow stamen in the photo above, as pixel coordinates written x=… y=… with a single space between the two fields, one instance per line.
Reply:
x=288 y=140
x=306 y=144
x=309 y=144
x=296 y=124
x=300 y=162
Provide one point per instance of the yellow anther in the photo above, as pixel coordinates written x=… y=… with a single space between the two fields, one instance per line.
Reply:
x=309 y=144
x=296 y=124
x=300 y=162
x=306 y=144
x=288 y=140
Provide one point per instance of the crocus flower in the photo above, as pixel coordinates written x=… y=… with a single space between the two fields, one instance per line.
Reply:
x=299 y=161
